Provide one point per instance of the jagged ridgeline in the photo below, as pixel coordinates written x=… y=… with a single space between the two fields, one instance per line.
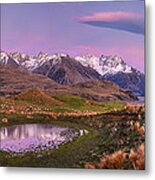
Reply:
x=66 y=70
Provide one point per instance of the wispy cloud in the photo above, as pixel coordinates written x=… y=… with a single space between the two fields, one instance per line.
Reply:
x=126 y=21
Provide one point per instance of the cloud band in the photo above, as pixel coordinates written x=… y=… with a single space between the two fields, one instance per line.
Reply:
x=130 y=22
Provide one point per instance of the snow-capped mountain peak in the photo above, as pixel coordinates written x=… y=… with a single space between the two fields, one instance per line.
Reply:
x=24 y=60
x=31 y=62
x=4 y=57
x=7 y=60
x=115 y=64
x=55 y=58
x=44 y=56
x=18 y=55
x=90 y=61
x=59 y=56
x=105 y=64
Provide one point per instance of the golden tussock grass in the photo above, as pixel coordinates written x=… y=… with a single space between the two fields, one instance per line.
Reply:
x=137 y=158
x=113 y=161
x=118 y=159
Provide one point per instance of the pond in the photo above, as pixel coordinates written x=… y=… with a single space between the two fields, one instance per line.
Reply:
x=34 y=137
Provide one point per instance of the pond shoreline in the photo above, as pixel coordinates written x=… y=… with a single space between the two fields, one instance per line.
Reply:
x=35 y=137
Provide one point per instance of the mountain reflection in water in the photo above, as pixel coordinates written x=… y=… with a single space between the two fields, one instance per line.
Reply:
x=34 y=137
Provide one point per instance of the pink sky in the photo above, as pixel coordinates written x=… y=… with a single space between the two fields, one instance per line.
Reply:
x=76 y=29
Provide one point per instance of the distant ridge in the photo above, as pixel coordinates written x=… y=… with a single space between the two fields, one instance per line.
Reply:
x=68 y=70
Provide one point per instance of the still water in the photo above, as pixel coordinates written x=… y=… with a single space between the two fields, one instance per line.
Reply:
x=34 y=137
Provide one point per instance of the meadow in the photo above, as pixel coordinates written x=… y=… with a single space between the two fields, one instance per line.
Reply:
x=115 y=138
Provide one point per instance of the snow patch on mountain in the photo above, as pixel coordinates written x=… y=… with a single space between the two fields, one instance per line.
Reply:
x=105 y=64
x=90 y=61
x=4 y=58
x=32 y=62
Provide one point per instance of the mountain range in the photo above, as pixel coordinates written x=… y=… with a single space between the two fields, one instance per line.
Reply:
x=66 y=70
x=14 y=81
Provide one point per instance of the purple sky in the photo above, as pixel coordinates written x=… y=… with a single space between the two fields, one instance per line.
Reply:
x=110 y=28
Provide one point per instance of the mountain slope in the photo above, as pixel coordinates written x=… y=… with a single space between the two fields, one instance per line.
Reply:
x=15 y=80
x=66 y=70
x=30 y=63
x=100 y=91
x=7 y=61
x=103 y=91
x=105 y=64
x=134 y=81
x=114 y=69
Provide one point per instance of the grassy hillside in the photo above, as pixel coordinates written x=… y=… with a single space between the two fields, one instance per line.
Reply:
x=37 y=101
x=38 y=97
x=78 y=103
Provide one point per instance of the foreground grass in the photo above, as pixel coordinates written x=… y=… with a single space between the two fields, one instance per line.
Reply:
x=111 y=135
